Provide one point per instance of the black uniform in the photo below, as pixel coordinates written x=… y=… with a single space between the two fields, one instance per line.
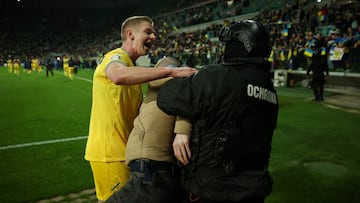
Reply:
x=319 y=68
x=27 y=64
x=49 y=67
x=234 y=110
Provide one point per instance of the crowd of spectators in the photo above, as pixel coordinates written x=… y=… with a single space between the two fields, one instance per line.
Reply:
x=291 y=24
x=293 y=28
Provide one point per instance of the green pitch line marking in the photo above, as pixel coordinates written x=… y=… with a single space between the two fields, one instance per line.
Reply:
x=42 y=143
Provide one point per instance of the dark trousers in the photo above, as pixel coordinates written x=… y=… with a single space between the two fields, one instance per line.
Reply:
x=49 y=70
x=318 y=89
x=190 y=198
x=150 y=182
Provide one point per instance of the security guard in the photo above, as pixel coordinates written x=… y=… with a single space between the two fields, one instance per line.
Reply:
x=318 y=67
x=233 y=107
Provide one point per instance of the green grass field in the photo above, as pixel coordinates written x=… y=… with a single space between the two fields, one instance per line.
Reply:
x=44 y=124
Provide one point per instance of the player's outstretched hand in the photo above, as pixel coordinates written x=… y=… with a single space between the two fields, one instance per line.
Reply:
x=182 y=72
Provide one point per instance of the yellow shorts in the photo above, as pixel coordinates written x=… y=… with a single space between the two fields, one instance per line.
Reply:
x=70 y=69
x=109 y=177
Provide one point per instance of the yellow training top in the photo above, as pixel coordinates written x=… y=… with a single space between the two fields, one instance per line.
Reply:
x=114 y=108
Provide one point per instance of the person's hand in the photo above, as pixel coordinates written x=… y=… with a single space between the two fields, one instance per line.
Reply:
x=181 y=147
x=182 y=72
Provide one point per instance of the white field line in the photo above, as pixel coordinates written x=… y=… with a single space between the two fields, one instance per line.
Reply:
x=42 y=143
x=48 y=141
x=80 y=78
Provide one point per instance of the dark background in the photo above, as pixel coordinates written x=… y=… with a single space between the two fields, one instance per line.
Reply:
x=29 y=9
x=75 y=13
x=78 y=3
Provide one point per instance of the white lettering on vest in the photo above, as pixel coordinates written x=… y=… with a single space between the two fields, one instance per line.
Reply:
x=261 y=93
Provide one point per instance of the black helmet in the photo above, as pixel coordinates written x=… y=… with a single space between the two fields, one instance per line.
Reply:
x=246 y=38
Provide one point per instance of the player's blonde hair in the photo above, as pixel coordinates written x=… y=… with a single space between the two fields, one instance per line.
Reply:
x=133 y=22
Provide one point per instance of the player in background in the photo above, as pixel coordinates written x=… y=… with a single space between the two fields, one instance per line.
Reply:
x=16 y=66
x=66 y=59
x=9 y=63
x=71 y=68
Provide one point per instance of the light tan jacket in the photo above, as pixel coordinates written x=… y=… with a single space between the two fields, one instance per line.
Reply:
x=154 y=130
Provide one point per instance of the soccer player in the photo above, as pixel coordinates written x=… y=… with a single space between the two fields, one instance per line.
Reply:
x=9 y=65
x=71 y=63
x=34 y=64
x=66 y=59
x=116 y=100
x=16 y=66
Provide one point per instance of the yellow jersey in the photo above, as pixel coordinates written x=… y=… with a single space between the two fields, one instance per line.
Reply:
x=34 y=63
x=9 y=62
x=66 y=62
x=114 y=108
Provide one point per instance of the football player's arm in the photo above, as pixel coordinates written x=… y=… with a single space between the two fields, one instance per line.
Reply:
x=124 y=75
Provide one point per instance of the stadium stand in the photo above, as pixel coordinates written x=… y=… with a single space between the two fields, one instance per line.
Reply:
x=189 y=32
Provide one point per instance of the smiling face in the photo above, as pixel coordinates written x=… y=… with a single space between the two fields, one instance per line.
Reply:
x=138 y=36
x=144 y=37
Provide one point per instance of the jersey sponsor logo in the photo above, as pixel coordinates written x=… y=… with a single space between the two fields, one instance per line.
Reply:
x=115 y=58
x=261 y=93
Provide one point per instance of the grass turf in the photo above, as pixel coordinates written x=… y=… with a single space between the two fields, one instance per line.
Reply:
x=314 y=157
x=37 y=108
